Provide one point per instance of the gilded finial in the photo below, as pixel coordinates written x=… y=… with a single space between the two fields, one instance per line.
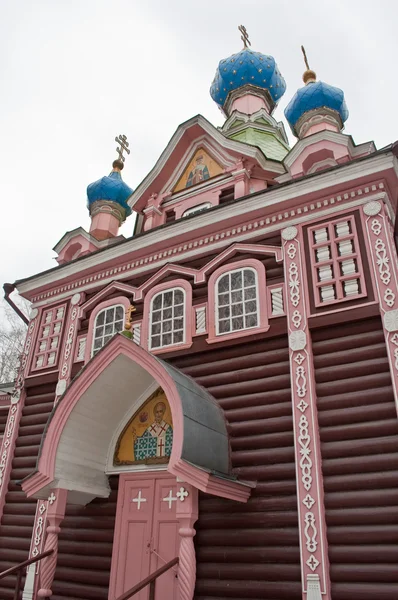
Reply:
x=309 y=75
x=245 y=36
x=123 y=147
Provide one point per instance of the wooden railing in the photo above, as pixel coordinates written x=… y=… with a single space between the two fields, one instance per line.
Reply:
x=19 y=570
x=150 y=580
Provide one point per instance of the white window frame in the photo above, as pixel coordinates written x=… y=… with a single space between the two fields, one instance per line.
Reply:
x=216 y=304
x=104 y=310
x=184 y=319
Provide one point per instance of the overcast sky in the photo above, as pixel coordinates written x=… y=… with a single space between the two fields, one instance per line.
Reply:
x=75 y=73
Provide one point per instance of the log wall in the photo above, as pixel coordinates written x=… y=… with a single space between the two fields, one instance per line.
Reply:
x=359 y=445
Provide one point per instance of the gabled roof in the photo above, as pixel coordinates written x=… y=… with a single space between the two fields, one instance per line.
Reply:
x=186 y=134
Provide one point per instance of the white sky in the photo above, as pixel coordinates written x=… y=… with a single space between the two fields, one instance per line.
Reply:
x=75 y=73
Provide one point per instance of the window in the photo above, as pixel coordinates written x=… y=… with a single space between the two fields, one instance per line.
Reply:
x=167 y=316
x=236 y=301
x=336 y=263
x=49 y=338
x=108 y=322
x=197 y=209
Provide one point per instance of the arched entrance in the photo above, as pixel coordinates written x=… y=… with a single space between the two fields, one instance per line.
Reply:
x=80 y=448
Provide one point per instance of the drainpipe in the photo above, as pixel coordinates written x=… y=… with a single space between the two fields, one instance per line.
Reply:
x=8 y=289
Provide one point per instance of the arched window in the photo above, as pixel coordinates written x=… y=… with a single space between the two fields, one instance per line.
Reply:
x=108 y=321
x=237 y=305
x=167 y=318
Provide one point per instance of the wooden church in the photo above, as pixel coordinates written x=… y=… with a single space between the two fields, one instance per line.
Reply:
x=208 y=409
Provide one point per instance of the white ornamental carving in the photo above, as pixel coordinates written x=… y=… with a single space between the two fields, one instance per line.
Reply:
x=61 y=387
x=33 y=313
x=383 y=261
x=312 y=562
x=52 y=498
x=299 y=359
x=294 y=284
x=301 y=382
x=289 y=233
x=394 y=339
x=182 y=494
x=291 y=251
x=376 y=226
x=296 y=318
x=308 y=501
x=391 y=320
x=298 y=340
x=396 y=358
x=302 y=405
x=200 y=314
x=75 y=299
x=310 y=532
x=389 y=297
x=313 y=586
x=170 y=499
x=304 y=440
x=372 y=208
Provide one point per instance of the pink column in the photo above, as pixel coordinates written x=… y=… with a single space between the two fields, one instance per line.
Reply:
x=64 y=377
x=187 y=515
x=311 y=511
x=55 y=515
x=14 y=415
x=384 y=269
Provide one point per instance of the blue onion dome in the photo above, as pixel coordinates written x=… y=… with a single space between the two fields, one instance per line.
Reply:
x=314 y=95
x=247 y=68
x=111 y=188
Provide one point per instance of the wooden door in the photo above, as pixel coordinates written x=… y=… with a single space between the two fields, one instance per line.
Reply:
x=146 y=535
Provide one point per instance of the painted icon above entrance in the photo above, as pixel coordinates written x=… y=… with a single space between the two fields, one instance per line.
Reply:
x=201 y=167
x=148 y=436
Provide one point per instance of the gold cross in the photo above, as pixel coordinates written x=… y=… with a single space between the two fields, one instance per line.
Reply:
x=245 y=36
x=129 y=313
x=305 y=58
x=124 y=146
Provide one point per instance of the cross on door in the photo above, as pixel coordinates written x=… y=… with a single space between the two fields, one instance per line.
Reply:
x=170 y=498
x=138 y=500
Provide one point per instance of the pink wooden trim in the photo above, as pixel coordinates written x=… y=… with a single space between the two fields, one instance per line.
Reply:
x=384 y=269
x=109 y=289
x=199 y=275
x=187 y=515
x=18 y=396
x=335 y=261
x=309 y=480
x=189 y=473
x=261 y=300
x=168 y=285
x=106 y=304
x=55 y=515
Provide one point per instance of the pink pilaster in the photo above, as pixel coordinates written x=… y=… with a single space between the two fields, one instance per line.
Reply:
x=187 y=515
x=384 y=268
x=66 y=360
x=15 y=412
x=55 y=515
x=311 y=510
x=241 y=180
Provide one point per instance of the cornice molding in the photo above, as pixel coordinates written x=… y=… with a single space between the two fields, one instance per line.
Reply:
x=212 y=243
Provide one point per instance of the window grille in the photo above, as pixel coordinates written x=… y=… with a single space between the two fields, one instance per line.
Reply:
x=236 y=301
x=108 y=322
x=167 y=318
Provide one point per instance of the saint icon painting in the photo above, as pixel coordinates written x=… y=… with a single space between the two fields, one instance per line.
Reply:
x=148 y=437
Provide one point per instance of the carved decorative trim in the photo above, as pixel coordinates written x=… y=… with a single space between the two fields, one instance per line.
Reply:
x=311 y=513
x=372 y=208
x=129 y=268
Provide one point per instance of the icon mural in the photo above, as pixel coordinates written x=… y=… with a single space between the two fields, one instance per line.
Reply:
x=200 y=168
x=148 y=437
